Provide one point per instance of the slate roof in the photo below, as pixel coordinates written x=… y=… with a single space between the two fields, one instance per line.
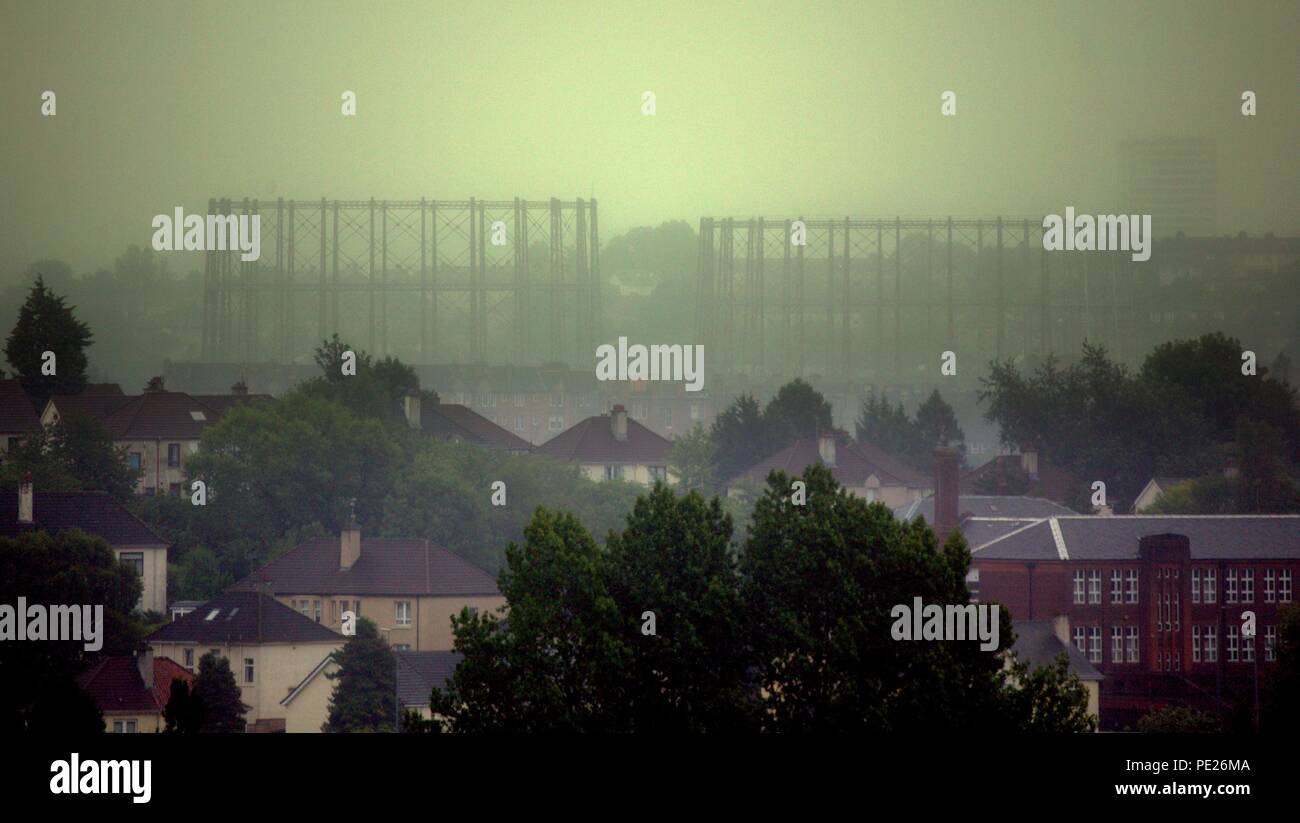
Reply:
x=17 y=414
x=92 y=512
x=988 y=505
x=1212 y=537
x=1037 y=644
x=243 y=616
x=152 y=415
x=387 y=566
x=114 y=683
x=854 y=463
x=592 y=441
x=448 y=420
x=419 y=672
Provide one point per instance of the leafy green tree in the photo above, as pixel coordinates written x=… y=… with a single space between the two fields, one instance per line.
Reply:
x=674 y=565
x=364 y=697
x=183 y=713
x=935 y=425
x=913 y=440
x=884 y=425
x=76 y=453
x=69 y=568
x=692 y=458
x=797 y=411
x=374 y=392
x=1179 y=720
x=1049 y=699
x=223 y=709
x=740 y=437
x=47 y=323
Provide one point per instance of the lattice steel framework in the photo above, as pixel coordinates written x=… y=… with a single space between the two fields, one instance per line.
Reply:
x=884 y=297
x=421 y=279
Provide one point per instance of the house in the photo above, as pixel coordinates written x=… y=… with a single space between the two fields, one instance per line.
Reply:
x=156 y=429
x=410 y=588
x=1039 y=642
x=132 y=690
x=612 y=447
x=863 y=469
x=180 y=608
x=18 y=417
x=454 y=423
x=132 y=542
x=1026 y=473
x=418 y=673
x=1154 y=490
x=277 y=655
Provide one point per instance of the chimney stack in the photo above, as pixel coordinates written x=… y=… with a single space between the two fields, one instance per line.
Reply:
x=144 y=663
x=411 y=407
x=618 y=420
x=1029 y=462
x=25 y=499
x=945 y=491
x=349 y=544
x=826 y=449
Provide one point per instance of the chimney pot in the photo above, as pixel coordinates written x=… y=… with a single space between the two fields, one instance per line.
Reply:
x=618 y=420
x=411 y=407
x=826 y=450
x=1029 y=462
x=144 y=663
x=25 y=499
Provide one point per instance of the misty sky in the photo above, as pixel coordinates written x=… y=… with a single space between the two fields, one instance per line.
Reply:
x=821 y=109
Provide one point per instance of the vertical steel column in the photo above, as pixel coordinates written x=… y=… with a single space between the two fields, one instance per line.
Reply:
x=952 y=328
x=879 y=360
x=786 y=341
x=209 y=295
x=286 y=289
x=979 y=275
x=370 y=334
x=433 y=274
x=474 y=353
x=581 y=296
x=383 y=278
x=597 y=326
x=898 y=297
x=480 y=284
x=800 y=292
x=1044 y=306
x=929 y=277
x=323 y=323
x=846 y=319
x=997 y=346
x=727 y=270
x=518 y=340
x=277 y=285
x=762 y=303
x=524 y=296
x=334 y=290
x=424 y=286
x=557 y=266
x=830 y=297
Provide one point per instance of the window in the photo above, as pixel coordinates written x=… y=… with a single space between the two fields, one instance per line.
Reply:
x=1270 y=643
x=520 y=400
x=1284 y=595
x=1270 y=586
x=1196 y=644
x=1211 y=644
x=1196 y=585
x=189 y=659
x=521 y=422
x=640 y=410
x=1116 y=644
x=173 y=454
x=135 y=560
x=403 y=617
x=1131 y=643
x=315 y=605
x=1078 y=588
x=134 y=460
x=1094 y=586
x=124 y=727
x=1116 y=586
x=1248 y=649
x=1131 y=585
x=1178 y=614
x=486 y=400
x=1247 y=585
x=613 y=472
x=697 y=411
x=1210 y=588
x=556 y=423
x=1080 y=639
x=402 y=647
x=557 y=401
x=1232 y=643
x=1094 y=644
x=248 y=670
x=658 y=473
x=1230 y=586
x=214 y=652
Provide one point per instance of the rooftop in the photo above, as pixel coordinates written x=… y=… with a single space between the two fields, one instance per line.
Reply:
x=1212 y=537
x=593 y=441
x=855 y=462
x=92 y=512
x=244 y=616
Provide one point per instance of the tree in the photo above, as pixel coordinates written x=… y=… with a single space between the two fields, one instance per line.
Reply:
x=674 y=565
x=912 y=440
x=155 y=384
x=883 y=425
x=184 y=710
x=797 y=411
x=69 y=568
x=219 y=696
x=76 y=453
x=364 y=697
x=935 y=425
x=1048 y=699
x=738 y=433
x=691 y=460
x=46 y=323
x=1178 y=720
x=376 y=389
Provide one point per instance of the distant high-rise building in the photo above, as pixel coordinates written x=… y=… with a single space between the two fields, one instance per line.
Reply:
x=1173 y=180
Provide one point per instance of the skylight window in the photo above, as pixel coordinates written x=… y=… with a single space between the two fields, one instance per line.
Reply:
x=199 y=416
x=233 y=612
x=212 y=615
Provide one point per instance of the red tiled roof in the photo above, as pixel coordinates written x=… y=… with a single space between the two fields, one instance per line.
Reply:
x=592 y=441
x=114 y=683
x=387 y=566
x=854 y=463
x=446 y=420
x=17 y=414
x=92 y=512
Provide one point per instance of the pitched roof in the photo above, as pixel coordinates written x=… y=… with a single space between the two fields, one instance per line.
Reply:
x=17 y=414
x=244 y=616
x=419 y=672
x=387 y=566
x=592 y=441
x=988 y=505
x=1037 y=644
x=92 y=512
x=114 y=683
x=1053 y=482
x=448 y=420
x=152 y=415
x=1212 y=537
x=854 y=463
x=96 y=406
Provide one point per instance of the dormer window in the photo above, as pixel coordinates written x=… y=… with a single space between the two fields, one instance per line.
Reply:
x=198 y=416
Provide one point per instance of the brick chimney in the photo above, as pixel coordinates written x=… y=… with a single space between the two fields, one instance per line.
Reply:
x=25 y=499
x=411 y=408
x=826 y=449
x=1061 y=628
x=144 y=663
x=618 y=421
x=1029 y=462
x=349 y=544
x=945 y=491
